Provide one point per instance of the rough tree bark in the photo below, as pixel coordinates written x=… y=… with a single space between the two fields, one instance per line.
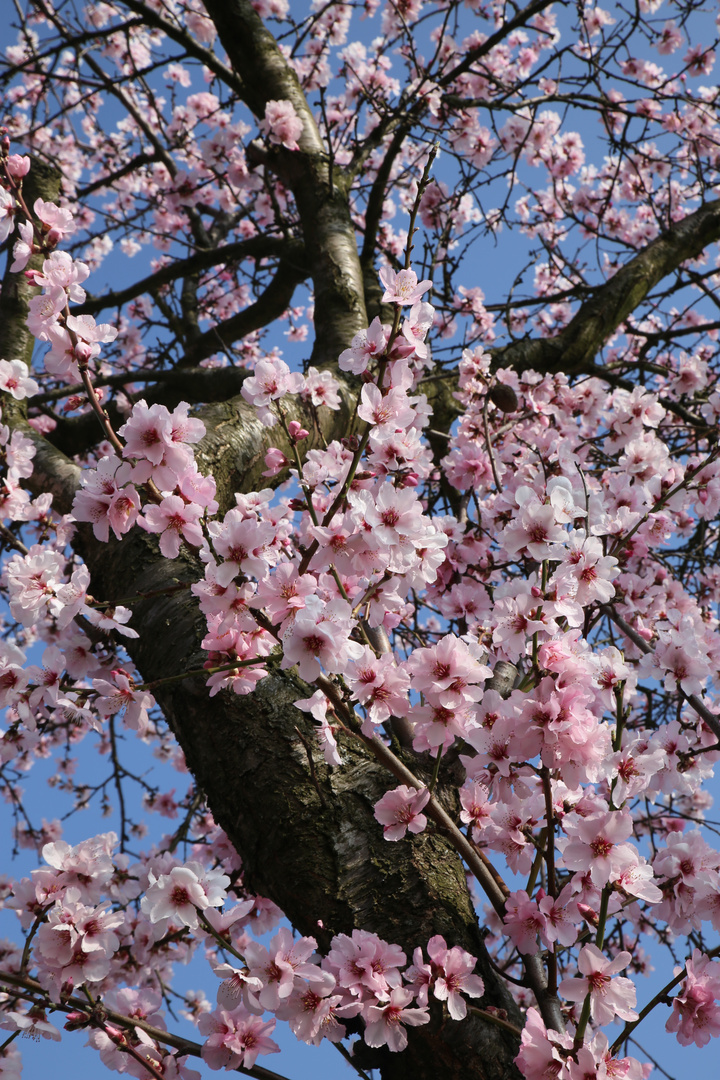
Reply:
x=306 y=833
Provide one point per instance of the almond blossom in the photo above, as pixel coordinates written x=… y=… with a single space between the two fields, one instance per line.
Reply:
x=451 y=976
x=386 y=1023
x=282 y=124
x=15 y=380
x=696 y=1013
x=402 y=287
x=496 y=568
x=609 y=997
x=172 y=519
x=399 y=810
x=235 y=1038
x=179 y=894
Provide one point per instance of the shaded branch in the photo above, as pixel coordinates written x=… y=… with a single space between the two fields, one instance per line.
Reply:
x=77 y=435
x=256 y=247
x=292 y=269
x=104 y=181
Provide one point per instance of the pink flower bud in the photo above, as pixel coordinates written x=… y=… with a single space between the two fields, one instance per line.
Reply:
x=83 y=353
x=297 y=431
x=409 y=479
x=18 y=165
x=75 y=1020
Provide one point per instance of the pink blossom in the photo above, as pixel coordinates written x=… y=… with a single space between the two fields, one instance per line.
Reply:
x=322 y=388
x=696 y=1013
x=280 y=967
x=275 y=461
x=389 y=408
x=670 y=38
x=112 y=618
x=453 y=976
x=699 y=60
x=416 y=327
x=156 y=438
x=475 y=802
x=391 y=518
x=380 y=684
x=437 y=725
x=32 y=580
x=597 y=842
x=367 y=345
x=271 y=381
x=61 y=270
x=14 y=379
x=402 y=287
x=284 y=592
x=317 y=705
x=44 y=311
x=235 y=1038
x=87 y=867
x=594 y=1059
x=244 y=544
x=609 y=997
x=585 y=572
x=17 y=165
x=365 y=965
x=179 y=894
x=107 y=499
x=312 y=1011
x=33 y=1024
x=385 y=1025
x=236 y=982
x=119 y=695
x=537 y=531
x=320 y=635
x=561 y=917
x=173 y=518
x=449 y=672
x=399 y=810
x=282 y=124
x=23 y=248
x=56 y=222
x=540 y=1056
x=524 y=921
x=7 y=214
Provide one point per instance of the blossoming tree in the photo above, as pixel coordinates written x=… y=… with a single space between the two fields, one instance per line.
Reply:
x=359 y=456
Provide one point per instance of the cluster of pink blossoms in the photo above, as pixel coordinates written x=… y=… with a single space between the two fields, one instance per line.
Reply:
x=82 y=934
x=324 y=576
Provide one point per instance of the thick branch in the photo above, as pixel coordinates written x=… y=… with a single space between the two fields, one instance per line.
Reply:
x=77 y=435
x=573 y=350
x=322 y=204
x=256 y=247
x=16 y=341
